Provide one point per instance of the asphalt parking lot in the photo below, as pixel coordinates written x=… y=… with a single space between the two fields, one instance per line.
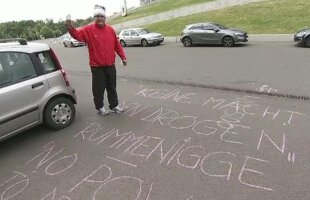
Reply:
x=266 y=66
x=185 y=134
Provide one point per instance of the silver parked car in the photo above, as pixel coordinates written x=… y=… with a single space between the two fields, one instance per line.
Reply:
x=139 y=36
x=212 y=33
x=302 y=37
x=34 y=88
x=69 y=41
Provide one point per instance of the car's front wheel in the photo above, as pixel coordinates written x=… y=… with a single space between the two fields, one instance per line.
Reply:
x=144 y=43
x=123 y=43
x=59 y=113
x=187 y=42
x=228 y=41
x=65 y=44
x=307 y=42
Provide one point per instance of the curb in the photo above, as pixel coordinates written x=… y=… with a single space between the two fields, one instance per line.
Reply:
x=252 y=38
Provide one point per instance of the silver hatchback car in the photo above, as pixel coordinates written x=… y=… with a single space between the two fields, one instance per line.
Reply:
x=34 y=88
x=212 y=33
x=69 y=41
x=139 y=36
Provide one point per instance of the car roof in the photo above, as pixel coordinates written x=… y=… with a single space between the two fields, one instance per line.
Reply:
x=202 y=23
x=30 y=47
x=129 y=29
x=304 y=29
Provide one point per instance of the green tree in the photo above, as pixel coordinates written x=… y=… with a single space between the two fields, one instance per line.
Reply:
x=32 y=30
x=46 y=32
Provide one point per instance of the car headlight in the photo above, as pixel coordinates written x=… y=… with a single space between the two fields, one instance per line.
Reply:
x=301 y=34
x=239 y=34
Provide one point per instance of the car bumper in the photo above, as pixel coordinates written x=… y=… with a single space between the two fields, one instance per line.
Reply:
x=298 y=40
x=78 y=44
x=241 y=39
x=156 y=41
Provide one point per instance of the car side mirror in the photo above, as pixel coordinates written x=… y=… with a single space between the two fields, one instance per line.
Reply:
x=216 y=30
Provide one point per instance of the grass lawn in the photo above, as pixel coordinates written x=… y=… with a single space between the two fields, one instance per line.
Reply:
x=270 y=16
x=155 y=8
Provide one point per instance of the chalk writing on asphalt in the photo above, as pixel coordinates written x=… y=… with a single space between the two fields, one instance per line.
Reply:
x=54 y=160
x=267 y=88
x=182 y=153
x=189 y=151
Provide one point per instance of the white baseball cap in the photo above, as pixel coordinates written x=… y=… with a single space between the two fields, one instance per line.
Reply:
x=99 y=11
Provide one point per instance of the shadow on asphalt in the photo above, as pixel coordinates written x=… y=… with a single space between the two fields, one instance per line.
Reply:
x=150 y=46
x=218 y=45
x=25 y=137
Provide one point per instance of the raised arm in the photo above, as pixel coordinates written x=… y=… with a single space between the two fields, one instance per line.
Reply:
x=77 y=34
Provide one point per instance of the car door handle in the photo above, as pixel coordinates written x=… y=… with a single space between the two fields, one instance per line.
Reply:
x=37 y=85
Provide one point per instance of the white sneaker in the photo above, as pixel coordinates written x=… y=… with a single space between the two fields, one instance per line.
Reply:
x=102 y=111
x=117 y=109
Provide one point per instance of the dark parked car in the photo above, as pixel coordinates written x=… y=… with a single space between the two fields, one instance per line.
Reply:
x=302 y=37
x=212 y=33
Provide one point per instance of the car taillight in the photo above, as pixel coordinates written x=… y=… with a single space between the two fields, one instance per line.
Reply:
x=64 y=75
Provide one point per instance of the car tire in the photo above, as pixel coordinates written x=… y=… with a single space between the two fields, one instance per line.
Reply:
x=72 y=45
x=65 y=44
x=228 y=41
x=187 y=42
x=123 y=43
x=144 y=43
x=59 y=113
x=307 y=42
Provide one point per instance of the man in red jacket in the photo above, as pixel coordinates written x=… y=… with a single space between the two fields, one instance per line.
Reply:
x=102 y=44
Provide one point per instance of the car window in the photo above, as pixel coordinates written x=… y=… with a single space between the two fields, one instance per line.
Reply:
x=3 y=76
x=143 y=31
x=15 y=67
x=208 y=27
x=134 y=33
x=220 y=26
x=197 y=27
x=126 y=33
x=48 y=63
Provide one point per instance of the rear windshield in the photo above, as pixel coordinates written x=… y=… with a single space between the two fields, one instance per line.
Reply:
x=48 y=63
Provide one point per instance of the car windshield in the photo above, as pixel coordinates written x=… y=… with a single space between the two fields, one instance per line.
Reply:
x=143 y=31
x=220 y=26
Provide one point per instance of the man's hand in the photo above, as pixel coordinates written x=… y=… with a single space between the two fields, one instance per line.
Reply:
x=69 y=24
x=124 y=62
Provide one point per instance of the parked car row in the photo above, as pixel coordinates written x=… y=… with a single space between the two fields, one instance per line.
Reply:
x=192 y=34
x=200 y=33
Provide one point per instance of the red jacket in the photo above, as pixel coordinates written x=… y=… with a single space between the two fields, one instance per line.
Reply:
x=102 y=44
